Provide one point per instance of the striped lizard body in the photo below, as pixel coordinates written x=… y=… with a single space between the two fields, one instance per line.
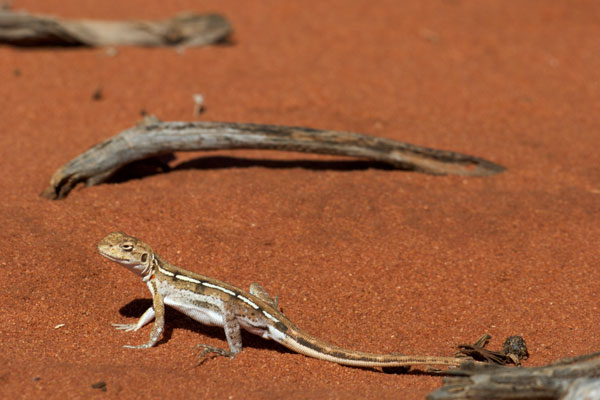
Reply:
x=213 y=302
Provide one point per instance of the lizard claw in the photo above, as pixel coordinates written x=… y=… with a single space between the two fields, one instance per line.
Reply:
x=141 y=346
x=211 y=349
x=125 y=327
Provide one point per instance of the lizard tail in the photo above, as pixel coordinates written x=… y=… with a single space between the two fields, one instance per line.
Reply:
x=308 y=345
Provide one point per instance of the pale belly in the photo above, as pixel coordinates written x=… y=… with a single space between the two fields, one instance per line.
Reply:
x=208 y=311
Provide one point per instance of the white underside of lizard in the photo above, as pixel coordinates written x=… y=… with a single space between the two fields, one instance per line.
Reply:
x=193 y=305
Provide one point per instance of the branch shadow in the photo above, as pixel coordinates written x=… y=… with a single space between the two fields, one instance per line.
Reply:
x=161 y=164
x=60 y=43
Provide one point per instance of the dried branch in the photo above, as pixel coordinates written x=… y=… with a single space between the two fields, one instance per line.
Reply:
x=153 y=138
x=24 y=29
x=514 y=350
x=574 y=378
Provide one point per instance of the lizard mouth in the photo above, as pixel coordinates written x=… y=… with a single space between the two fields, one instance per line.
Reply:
x=118 y=260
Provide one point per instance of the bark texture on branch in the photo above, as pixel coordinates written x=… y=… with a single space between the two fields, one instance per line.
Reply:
x=154 y=138
x=24 y=29
x=573 y=378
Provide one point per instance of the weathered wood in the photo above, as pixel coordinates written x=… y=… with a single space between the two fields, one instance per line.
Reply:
x=514 y=350
x=153 y=138
x=24 y=29
x=573 y=378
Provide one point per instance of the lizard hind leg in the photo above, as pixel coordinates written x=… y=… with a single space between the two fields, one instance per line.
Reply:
x=257 y=290
x=211 y=349
x=233 y=333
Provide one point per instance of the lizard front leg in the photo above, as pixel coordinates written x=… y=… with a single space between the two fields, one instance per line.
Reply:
x=233 y=333
x=158 y=311
x=144 y=319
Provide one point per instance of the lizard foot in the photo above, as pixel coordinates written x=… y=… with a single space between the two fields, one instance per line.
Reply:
x=125 y=327
x=211 y=349
x=141 y=346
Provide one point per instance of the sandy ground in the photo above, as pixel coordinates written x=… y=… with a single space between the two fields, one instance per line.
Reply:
x=370 y=259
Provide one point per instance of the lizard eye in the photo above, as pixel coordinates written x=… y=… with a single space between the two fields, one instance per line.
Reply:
x=126 y=246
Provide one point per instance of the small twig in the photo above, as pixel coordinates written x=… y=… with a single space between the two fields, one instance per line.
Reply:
x=153 y=138
x=198 y=104
x=24 y=29
x=98 y=93
x=513 y=351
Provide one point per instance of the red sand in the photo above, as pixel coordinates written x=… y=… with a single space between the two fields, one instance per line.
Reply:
x=377 y=260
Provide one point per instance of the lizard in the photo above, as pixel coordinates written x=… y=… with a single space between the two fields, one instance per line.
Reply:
x=216 y=303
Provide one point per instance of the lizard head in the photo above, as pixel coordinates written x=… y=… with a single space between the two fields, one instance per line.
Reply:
x=128 y=251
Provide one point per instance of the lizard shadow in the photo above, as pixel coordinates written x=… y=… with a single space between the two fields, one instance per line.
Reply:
x=161 y=164
x=176 y=320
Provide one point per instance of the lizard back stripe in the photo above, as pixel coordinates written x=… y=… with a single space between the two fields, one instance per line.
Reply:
x=164 y=271
x=222 y=289
x=187 y=278
x=272 y=318
x=247 y=301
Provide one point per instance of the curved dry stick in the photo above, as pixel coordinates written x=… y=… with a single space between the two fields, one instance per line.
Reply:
x=574 y=378
x=24 y=29
x=153 y=138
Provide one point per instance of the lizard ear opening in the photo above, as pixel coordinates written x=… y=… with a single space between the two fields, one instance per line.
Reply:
x=144 y=257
